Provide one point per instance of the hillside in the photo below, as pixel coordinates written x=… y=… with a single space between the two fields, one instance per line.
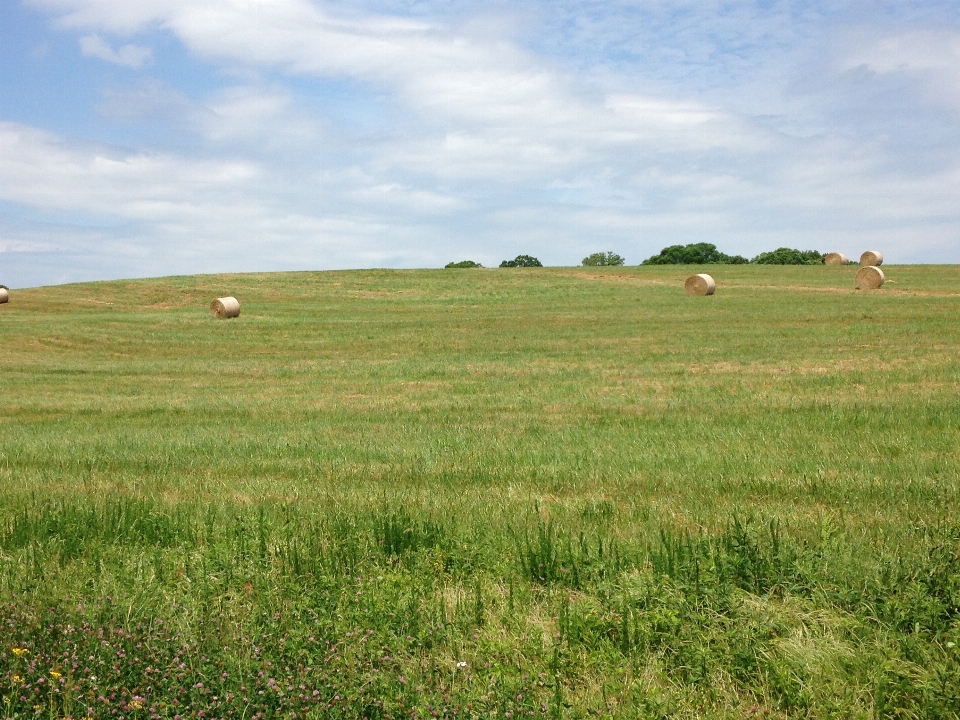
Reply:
x=601 y=495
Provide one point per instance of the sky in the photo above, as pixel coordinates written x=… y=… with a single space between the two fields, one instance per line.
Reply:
x=143 y=138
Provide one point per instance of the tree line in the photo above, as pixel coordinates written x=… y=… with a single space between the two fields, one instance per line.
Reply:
x=692 y=254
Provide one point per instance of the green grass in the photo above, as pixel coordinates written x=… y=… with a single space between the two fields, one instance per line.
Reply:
x=605 y=497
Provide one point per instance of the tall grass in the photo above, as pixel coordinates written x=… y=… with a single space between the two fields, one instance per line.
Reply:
x=564 y=493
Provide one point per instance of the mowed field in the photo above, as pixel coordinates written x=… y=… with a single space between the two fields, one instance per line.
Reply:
x=559 y=492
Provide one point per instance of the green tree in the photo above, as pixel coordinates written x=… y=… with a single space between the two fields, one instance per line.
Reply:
x=789 y=256
x=463 y=264
x=522 y=261
x=694 y=254
x=602 y=259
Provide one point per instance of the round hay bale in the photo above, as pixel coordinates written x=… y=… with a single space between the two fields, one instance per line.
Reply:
x=869 y=278
x=834 y=259
x=225 y=307
x=871 y=258
x=700 y=284
x=4 y=295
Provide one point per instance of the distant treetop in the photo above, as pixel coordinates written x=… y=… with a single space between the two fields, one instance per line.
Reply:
x=789 y=256
x=463 y=264
x=602 y=259
x=694 y=254
x=522 y=261
x=707 y=254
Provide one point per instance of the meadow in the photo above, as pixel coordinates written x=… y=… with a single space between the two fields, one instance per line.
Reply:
x=557 y=492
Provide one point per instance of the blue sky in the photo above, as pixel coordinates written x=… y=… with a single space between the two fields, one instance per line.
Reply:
x=183 y=136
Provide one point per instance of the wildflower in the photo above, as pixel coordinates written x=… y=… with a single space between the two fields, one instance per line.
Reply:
x=462 y=664
x=17 y=679
x=19 y=652
x=55 y=675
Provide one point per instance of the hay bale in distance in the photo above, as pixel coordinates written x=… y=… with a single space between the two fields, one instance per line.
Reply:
x=700 y=284
x=869 y=278
x=225 y=307
x=834 y=259
x=871 y=258
x=4 y=295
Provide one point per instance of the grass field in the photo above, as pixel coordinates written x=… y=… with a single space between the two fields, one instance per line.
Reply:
x=562 y=492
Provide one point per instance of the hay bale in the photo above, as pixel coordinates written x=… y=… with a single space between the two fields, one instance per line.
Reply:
x=834 y=259
x=871 y=258
x=869 y=278
x=700 y=284
x=4 y=295
x=225 y=307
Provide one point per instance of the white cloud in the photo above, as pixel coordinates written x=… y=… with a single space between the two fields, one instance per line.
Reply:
x=395 y=196
x=17 y=245
x=133 y=56
x=268 y=115
x=179 y=213
x=932 y=56
x=923 y=50
x=150 y=100
x=41 y=170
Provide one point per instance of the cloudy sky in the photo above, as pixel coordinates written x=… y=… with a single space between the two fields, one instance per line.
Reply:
x=153 y=137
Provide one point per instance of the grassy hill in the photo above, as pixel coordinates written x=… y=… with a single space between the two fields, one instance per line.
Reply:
x=555 y=492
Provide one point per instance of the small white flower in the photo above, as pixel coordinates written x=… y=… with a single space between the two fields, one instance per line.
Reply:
x=461 y=664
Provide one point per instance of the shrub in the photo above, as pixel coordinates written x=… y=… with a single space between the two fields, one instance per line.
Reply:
x=694 y=254
x=602 y=259
x=789 y=256
x=522 y=261
x=462 y=264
